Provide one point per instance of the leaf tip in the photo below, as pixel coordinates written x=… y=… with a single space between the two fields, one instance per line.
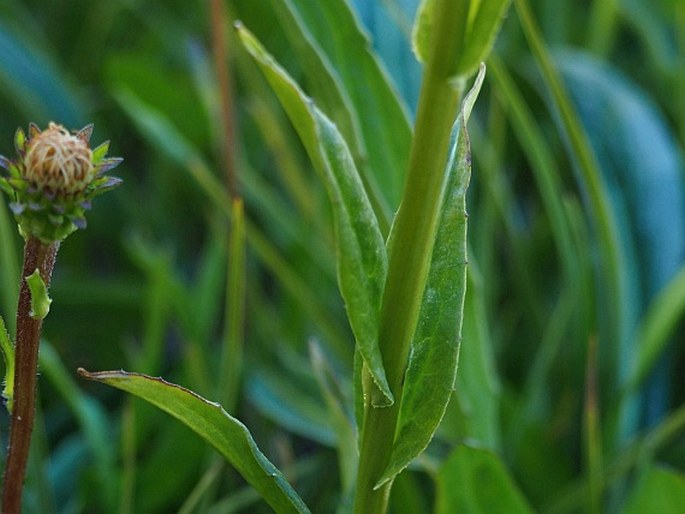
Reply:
x=82 y=372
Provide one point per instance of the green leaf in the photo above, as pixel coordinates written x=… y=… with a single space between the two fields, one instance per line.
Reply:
x=422 y=30
x=228 y=435
x=477 y=25
x=474 y=481
x=40 y=301
x=658 y=490
x=8 y=355
x=434 y=354
x=99 y=153
x=361 y=256
x=349 y=85
x=481 y=33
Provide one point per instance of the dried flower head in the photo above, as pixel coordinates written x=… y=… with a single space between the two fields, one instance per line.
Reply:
x=58 y=161
x=54 y=178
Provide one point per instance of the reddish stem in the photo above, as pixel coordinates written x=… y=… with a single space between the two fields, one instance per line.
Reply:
x=37 y=255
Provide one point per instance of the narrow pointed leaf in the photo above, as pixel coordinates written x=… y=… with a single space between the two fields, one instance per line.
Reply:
x=100 y=152
x=108 y=164
x=361 y=256
x=228 y=435
x=432 y=369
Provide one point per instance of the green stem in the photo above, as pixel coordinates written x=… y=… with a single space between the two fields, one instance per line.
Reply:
x=410 y=247
x=37 y=255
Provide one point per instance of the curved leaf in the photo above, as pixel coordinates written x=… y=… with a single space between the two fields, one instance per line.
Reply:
x=228 y=435
x=434 y=354
x=361 y=256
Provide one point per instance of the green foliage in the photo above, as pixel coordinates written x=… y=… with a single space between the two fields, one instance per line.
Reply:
x=575 y=239
x=228 y=435
x=40 y=301
x=473 y=481
x=662 y=490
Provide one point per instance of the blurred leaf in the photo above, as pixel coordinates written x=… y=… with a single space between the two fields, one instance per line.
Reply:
x=9 y=271
x=434 y=354
x=640 y=161
x=361 y=257
x=659 y=323
x=228 y=435
x=33 y=80
x=93 y=423
x=474 y=481
x=281 y=397
x=658 y=490
x=389 y=25
x=643 y=170
x=161 y=86
x=334 y=51
x=338 y=402
x=616 y=277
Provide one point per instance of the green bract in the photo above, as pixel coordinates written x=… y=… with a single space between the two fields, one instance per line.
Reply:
x=53 y=179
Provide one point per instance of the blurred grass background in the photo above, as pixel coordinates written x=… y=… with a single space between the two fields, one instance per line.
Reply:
x=571 y=365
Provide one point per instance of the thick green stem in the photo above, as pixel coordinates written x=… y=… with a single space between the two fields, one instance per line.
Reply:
x=411 y=246
x=37 y=255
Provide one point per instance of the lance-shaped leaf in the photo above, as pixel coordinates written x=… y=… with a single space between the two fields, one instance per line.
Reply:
x=432 y=369
x=478 y=23
x=361 y=256
x=228 y=435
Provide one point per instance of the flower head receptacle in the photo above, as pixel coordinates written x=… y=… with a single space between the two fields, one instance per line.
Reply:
x=54 y=178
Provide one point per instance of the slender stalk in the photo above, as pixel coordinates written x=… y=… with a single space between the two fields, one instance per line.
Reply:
x=37 y=255
x=411 y=247
x=221 y=66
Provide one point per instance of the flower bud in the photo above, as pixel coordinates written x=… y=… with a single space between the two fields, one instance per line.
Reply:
x=58 y=162
x=53 y=180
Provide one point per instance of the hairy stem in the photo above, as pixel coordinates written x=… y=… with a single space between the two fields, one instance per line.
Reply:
x=37 y=255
